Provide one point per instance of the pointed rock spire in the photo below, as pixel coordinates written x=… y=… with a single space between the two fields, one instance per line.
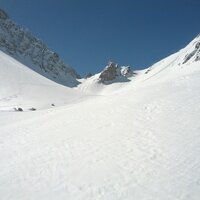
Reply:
x=3 y=14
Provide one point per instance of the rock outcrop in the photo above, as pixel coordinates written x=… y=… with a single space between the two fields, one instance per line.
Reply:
x=110 y=72
x=115 y=72
x=127 y=71
x=194 y=53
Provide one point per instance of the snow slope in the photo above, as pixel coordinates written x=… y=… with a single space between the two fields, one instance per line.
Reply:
x=124 y=141
x=22 y=87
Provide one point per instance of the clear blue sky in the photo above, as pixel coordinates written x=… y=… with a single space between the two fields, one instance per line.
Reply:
x=87 y=33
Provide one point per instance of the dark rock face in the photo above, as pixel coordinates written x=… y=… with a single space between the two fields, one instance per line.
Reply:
x=115 y=72
x=20 y=109
x=197 y=46
x=23 y=46
x=195 y=53
x=110 y=72
x=32 y=109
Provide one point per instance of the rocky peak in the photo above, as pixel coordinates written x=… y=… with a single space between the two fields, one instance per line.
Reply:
x=110 y=72
x=115 y=72
x=3 y=14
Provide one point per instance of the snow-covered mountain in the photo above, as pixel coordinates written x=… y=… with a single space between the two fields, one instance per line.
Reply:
x=27 y=49
x=185 y=57
x=135 y=139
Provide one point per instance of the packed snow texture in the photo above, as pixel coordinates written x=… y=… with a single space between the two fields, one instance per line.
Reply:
x=130 y=140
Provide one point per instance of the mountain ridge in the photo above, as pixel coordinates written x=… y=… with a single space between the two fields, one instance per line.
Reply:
x=27 y=49
x=23 y=46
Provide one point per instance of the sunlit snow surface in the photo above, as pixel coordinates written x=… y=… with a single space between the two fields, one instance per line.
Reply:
x=136 y=140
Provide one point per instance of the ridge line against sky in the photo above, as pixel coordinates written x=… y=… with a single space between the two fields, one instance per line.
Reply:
x=86 y=34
